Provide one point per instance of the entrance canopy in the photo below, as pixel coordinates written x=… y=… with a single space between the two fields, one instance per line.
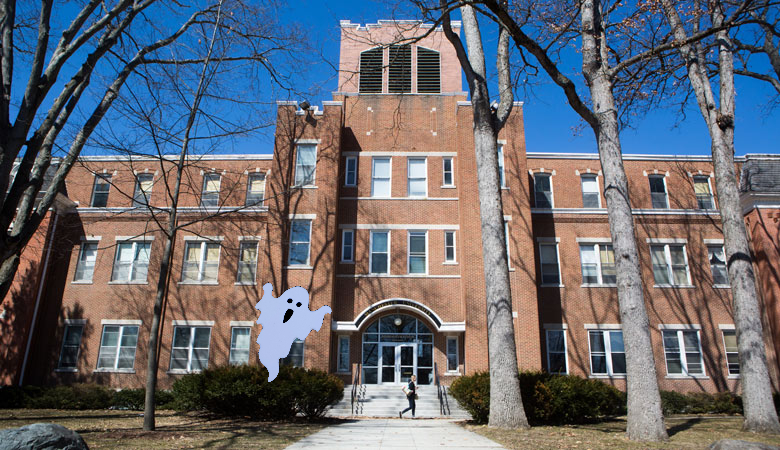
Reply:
x=406 y=304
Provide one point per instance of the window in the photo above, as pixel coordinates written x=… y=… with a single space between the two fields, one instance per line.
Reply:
x=201 y=262
x=85 y=266
x=449 y=246
x=556 y=351
x=548 y=256
x=447 y=171
x=71 y=343
x=701 y=187
x=380 y=252
x=732 y=352
x=658 y=192
x=380 y=177
x=416 y=173
x=506 y=242
x=607 y=354
x=131 y=262
x=350 y=172
x=418 y=252
x=399 y=73
x=117 y=347
x=100 y=190
x=239 y=346
x=371 y=71
x=343 y=365
x=305 y=164
x=247 y=262
x=190 y=350
x=348 y=246
x=590 y=192
x=295 y=357
x=255 y=189
x=300 y=238
x=670 y=265
x=143 y=189
x=452 y=354
x=718 y=265
x=210 y=194
x=683 y=352
x=543 y=191
x=598 y=264
x=501 y=178
x=428 y=73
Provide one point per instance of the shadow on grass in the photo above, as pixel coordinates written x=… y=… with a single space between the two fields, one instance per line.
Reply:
x=685 y=425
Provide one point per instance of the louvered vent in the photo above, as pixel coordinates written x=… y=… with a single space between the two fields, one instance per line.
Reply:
x=400 y=73
x=371 y=71
x=428 y=71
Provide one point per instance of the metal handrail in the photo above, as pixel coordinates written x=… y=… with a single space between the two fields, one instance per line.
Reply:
x=356 y=380
x=438 y=388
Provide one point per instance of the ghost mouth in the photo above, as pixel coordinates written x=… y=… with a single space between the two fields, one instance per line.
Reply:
x=287 y=315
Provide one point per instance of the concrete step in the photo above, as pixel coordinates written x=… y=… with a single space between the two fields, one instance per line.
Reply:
x=388 y=400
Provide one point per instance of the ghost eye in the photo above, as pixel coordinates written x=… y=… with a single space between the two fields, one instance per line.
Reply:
x=289 y=300
x=298 y=304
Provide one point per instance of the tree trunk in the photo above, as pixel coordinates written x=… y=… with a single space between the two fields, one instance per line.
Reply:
x=645 y=417
x=7 y=272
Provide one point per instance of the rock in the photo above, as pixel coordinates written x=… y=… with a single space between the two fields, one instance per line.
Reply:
x=43 y=436
x=733 y=444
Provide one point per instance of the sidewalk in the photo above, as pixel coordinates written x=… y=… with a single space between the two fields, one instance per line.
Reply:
x=388 y=434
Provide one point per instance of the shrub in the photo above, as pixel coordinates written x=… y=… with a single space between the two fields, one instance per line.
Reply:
x=315 y=391
x=78 y=396
x=11 y=397
x=473 y=394
x=134 y=399
x=700 y=403
x=673 y=402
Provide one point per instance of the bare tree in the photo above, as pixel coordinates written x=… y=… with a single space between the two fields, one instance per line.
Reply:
x=718 y=114
x=506 y=406
x=751 y=42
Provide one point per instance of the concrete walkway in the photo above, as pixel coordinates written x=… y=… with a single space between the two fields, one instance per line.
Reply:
x=389 y=434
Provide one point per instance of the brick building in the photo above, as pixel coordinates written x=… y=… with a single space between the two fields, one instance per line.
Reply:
x=370 y=203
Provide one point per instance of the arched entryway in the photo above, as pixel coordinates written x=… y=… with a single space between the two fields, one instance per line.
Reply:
x=395 y=347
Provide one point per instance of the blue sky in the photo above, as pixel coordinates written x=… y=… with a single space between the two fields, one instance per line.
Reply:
x=550 y=123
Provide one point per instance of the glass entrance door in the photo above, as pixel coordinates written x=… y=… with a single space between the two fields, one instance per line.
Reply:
x=398 y=363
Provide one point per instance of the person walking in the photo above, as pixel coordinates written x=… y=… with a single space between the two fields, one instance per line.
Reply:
x=411 y=394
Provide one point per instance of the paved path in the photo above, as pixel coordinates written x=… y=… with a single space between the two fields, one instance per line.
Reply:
x=389 y=434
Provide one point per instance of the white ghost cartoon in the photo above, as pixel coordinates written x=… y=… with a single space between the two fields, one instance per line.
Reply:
x=284 y=319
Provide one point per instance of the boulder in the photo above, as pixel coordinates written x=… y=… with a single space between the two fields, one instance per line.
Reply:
x=733 y=444
x=42 y=436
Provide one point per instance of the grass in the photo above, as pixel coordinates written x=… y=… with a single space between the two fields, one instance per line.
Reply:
x=685 y=432
x=122 y=429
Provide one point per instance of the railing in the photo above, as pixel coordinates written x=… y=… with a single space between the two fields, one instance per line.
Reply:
x=356 y=380
x=439 y=392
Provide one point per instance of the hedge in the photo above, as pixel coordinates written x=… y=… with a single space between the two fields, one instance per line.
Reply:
x=568 y=399
x=77 y=396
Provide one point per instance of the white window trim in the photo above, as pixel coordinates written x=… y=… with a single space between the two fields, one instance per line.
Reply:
x=549 y=241
x=506 y=242
x=678 y=329
x=562 y=329
x=85 y=240
x=202 y=261
x=230 y=352
x=597 y=249
x=457 y=355
x=409 y=179
x=241 y=241
x=203 y=190
x=137 y=189
x=726 y=285
x=669 y=270
x=346 y=171
x=582 y=177
x=249 y=177
x=607 y=351
x=351 y=259
x=289 y=247
x=371 y=252
x=313 y=181
x=731 y=376
x=303 y=352
x=409 y=251
x=501 y=165
x=134 y=249
x=454 y=260
x=116 y=369
x=190 y=347
x=712 y=193
x=69 y=323
x=552 y=189
x=444 y=184
x=341 y=338
x=121 y=322
x=389 y=176
x=666 y=189
x=103 y=176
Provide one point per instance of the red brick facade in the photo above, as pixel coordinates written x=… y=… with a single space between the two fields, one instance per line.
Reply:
x=448 y=297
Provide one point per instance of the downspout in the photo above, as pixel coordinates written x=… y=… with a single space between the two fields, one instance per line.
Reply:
x=38 y=298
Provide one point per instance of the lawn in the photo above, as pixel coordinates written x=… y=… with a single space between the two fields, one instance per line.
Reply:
x=686 y=432
x=122 y=429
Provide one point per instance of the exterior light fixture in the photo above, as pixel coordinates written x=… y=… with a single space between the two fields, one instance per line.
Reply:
x=398 y=321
